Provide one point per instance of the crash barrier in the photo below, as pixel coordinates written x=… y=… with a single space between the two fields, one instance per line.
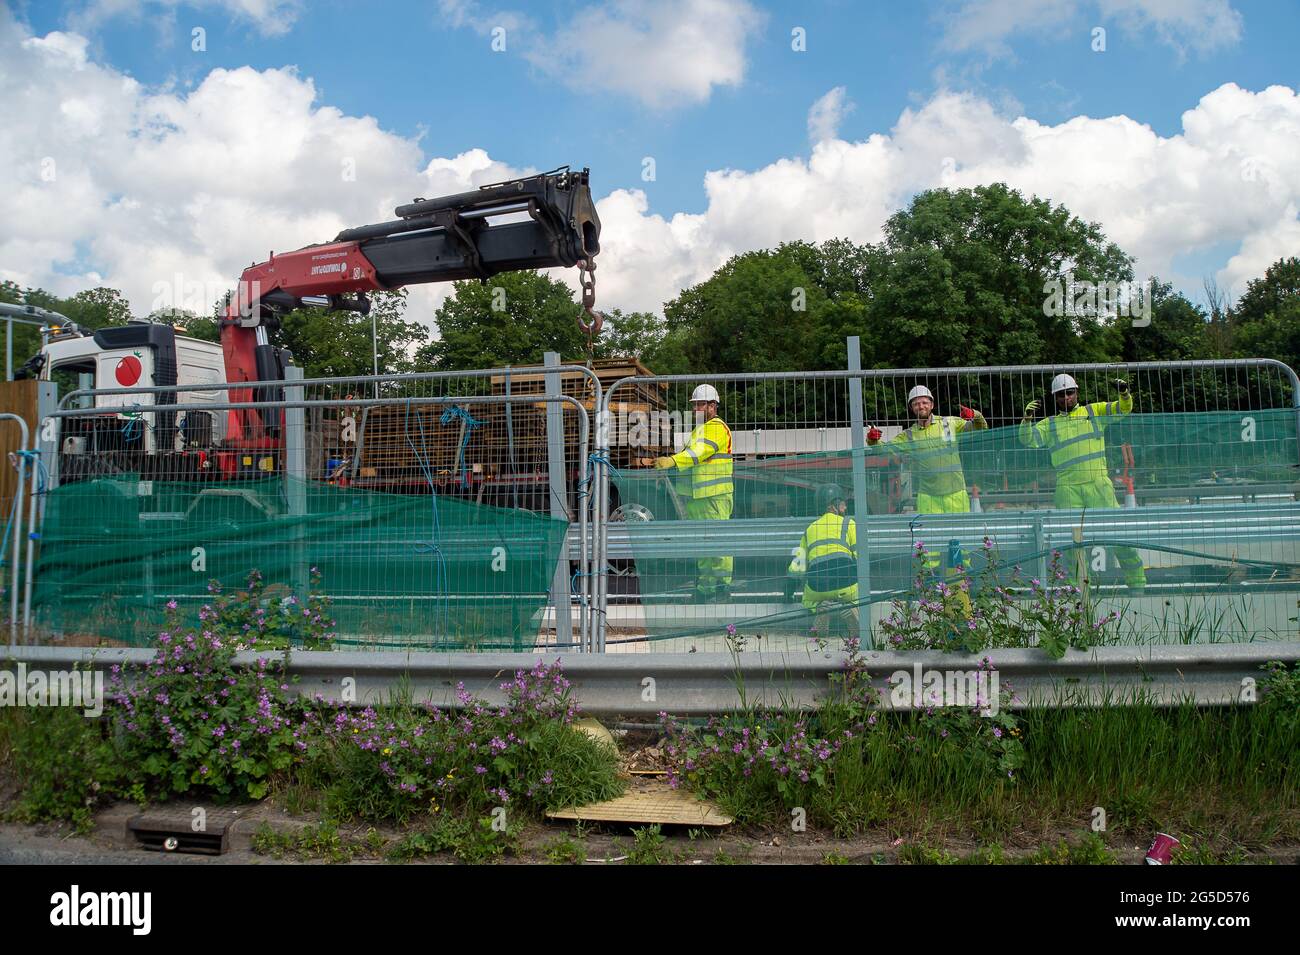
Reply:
x=703 y=684
x=1172 y=506
x=390 y=505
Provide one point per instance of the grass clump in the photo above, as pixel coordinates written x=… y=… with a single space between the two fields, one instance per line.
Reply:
x=322 y=843
x=649 y=847
x=1229 y=772
x=62 y=763
x=564 y=851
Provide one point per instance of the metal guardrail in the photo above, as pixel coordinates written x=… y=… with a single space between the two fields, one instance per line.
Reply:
x=1012 y=530
x=642 y=685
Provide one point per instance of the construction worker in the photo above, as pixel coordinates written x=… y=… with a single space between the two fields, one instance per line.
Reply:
x=931 y=446
x=707 y=456
x=827 y=556
x=1074 y=437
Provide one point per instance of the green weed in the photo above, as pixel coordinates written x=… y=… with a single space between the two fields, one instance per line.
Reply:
x=62 y=763
x=564 y=851
x=316 y=843
x=1090 y=850
x=649 y=847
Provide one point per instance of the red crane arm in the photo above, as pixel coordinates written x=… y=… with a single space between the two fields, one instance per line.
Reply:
x=542 y=221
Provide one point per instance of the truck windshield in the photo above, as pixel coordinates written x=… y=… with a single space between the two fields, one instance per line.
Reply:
x=73 y=374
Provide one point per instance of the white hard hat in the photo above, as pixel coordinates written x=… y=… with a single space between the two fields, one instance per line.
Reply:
x=705 y=393
x=920 y=391
x=1063 y=383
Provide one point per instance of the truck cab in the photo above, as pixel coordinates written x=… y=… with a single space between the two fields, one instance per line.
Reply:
x=135 y=355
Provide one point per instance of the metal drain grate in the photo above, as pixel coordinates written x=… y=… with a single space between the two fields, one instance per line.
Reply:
x=200 y=830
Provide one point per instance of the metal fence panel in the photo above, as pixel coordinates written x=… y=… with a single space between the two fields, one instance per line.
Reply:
x=445 y=496
x=1205 y=461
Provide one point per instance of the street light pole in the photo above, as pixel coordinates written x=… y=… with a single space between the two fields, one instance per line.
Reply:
x=374 y=345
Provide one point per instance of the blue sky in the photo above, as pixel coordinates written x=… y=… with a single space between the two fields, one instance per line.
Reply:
x=426 y=72
x=401 y=63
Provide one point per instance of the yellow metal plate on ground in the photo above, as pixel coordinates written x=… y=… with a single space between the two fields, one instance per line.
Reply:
x=649 y=801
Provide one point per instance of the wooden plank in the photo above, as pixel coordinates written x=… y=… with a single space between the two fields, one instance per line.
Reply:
x=649 y=801
x=16 y=397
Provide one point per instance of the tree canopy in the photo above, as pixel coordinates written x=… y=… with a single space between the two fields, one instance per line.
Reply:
x=510 y=320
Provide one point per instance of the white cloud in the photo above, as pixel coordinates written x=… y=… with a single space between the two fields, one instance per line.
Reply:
x=269 y=17
x=985 y=26
x=665 y=54
x=1261 y=249
x=1203 y=25
x=827 y=113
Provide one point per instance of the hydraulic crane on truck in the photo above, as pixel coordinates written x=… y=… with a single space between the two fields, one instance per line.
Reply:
x=431 y=240
x=542 y=221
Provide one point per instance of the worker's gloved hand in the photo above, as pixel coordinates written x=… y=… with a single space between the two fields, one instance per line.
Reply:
x=662 y=464
x=967 y=413
x=1031 y=409
x=1120 y=383
x=874 y=435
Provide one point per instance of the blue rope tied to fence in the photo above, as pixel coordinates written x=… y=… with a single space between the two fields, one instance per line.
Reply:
x=598 y=457
x=38 y=469
x=434 y=544
x=510 y=439
x=454 y=413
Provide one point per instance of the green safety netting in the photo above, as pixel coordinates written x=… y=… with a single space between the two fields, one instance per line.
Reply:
x=1210 y=549
x=421 y=570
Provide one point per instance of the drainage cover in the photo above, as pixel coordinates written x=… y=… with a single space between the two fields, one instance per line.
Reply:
x=199 y=829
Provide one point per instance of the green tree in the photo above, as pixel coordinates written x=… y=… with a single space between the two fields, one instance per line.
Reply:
x=630 y=335
x=967 y=279
x=1179 y=330
x=1266 y=319
x=93 y=308
x=511 y=320
x=766 y=311
x=187 y=323
x=329 y=344
x=1269 y=296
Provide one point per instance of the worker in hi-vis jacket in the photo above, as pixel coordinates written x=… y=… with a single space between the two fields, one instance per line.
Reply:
x=707 y=456
x=1075 y=440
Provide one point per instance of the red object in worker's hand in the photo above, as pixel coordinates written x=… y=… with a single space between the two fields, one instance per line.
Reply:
x=874 y=434
x=967 y=413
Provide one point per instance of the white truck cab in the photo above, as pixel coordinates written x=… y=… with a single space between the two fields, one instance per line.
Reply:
x=139 y=355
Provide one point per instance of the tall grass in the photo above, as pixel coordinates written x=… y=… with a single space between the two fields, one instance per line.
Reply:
x=1217 y=774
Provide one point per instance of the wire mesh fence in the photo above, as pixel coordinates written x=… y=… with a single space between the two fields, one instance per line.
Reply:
x=1153 y=502
x=414 y=512
x=460 y=511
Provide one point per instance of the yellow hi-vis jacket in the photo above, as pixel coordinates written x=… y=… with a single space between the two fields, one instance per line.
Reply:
x=708 y=457
x=830 y=540
x=1075 y=440
x=932 y=451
